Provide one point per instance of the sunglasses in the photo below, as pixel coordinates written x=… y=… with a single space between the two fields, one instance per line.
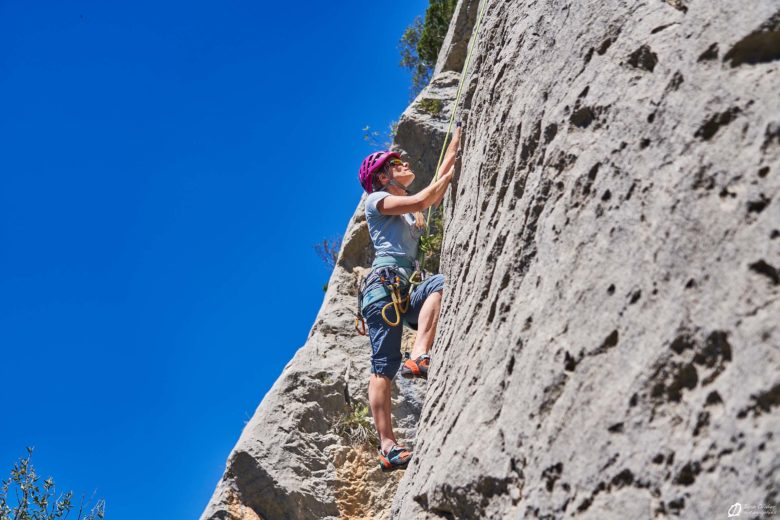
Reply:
x=396 y=162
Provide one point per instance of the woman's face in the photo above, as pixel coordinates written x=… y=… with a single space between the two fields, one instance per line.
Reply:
x=401 y=172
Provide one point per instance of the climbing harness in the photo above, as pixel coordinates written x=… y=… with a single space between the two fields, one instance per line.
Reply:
x=394 y=279
x=462 y=80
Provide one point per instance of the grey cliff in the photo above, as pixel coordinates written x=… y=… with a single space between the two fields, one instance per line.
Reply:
x=609 y=342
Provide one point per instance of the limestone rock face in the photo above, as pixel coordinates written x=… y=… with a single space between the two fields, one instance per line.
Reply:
x=610 y=337
x=453 y=51
x=290 y=461
x=609 y=342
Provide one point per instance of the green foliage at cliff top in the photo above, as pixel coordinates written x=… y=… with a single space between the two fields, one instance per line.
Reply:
x=422 y=40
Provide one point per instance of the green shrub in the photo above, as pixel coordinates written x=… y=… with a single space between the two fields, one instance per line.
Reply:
x=377 y=139
x=430 y=244
x=24 y=497
x=356 y=426
x=422 y=40
x=431 y=105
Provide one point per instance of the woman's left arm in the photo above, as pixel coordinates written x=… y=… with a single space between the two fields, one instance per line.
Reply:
x=449 y=160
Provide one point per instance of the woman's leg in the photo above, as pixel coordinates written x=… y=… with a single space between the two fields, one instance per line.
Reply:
x=426 y=324
x=379 y=387
x=385 y=362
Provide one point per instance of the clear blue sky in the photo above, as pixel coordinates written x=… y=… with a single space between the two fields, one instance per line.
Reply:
x=166 y=170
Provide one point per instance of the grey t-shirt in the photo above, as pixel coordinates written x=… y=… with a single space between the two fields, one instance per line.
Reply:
x=395 y=235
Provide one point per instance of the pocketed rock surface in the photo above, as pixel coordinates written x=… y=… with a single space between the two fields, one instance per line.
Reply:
x=609 y=338
x=609 y=341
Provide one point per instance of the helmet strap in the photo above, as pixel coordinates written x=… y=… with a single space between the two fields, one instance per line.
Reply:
x=393 y=182
x=398 y=185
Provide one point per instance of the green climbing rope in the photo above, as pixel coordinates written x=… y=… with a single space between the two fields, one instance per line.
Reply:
x=461 y=82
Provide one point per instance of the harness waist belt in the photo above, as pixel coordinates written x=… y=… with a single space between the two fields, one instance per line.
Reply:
x=405 y=268
x=400 y=261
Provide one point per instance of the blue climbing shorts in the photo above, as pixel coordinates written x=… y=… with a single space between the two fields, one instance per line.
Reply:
x=386 y=340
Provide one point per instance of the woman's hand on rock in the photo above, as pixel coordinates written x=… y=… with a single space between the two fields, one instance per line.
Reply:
x=455 y=143
x=449 y=173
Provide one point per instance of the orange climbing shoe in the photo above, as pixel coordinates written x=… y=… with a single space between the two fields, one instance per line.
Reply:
x=416 y=367
x=396 y=457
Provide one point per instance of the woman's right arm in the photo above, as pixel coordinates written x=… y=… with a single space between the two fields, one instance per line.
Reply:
x=452 y=151
x=400 y=204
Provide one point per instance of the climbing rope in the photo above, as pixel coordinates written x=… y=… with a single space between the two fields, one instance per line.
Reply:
x=401 y=304
x=461 y=82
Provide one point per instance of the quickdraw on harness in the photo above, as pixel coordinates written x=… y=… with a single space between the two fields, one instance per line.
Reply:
x=393 y=282
x=360 y=323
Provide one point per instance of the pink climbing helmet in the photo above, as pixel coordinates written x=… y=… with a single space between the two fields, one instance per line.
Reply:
x=371 y=165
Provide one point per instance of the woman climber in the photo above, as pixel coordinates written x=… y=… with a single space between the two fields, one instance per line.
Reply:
x=395 y=223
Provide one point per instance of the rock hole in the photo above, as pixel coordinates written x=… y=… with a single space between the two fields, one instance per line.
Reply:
x=549 y=132
x=551 y=474
x=611 y=289
x=528 y=322
x=624 y=478
x=710 y=54
x=682 y=343
x=607 y=195
x=702 y=421
x=710 y=127
x=635 y=297
x=630 y=191
x=765 y=269
x=569 y=363
x=588 y=55
x=594 y=170
x=676 y=505
x=610 y=340
x=643 y=58
x=760 y=46
x=583 y=117
x=644 y=143
x=675 y=82
x=492 y=313
x=584 y=505
x=771 y=135
x=504 y=281
x=712 y=399
x=605 y=45
x=763 y=402
x=757 y=206
x=687 y=474
x=662 y=27
x=762 y=172
x=686 y=377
